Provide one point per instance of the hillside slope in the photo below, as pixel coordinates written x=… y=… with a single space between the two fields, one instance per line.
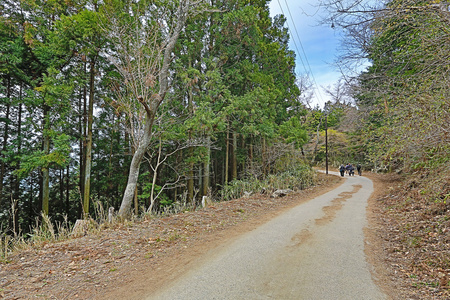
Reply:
x=113 y=262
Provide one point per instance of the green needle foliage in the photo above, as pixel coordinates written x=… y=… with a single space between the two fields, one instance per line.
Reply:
x=72 y=111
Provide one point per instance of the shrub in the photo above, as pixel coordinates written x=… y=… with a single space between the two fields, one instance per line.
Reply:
x=297 y=177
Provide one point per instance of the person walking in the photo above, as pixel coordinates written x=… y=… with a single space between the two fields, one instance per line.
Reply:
x=350 y=169
x=358 y=167
x=342 y=170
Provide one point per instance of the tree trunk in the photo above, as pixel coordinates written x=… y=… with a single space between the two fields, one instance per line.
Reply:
x=190 y=183
x=31 y=209
x=200 y=180
x=227 y=154
x=178 y=160
x=45 y=170
x=68 y=190
x=19 y=147
x=206 y=167
x=155 y=176
x=263 y=156
x=110 y=164
x=5 y=139
x=88 y=163
x=61 y=187
x=40 y=197
x=82 y=107
x=151 y=109
x=128 y=196
x=243 y=146
x=234 y=166
x=250 y=153
x=136 y=202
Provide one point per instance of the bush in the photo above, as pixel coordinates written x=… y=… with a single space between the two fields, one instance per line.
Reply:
x=297 y=177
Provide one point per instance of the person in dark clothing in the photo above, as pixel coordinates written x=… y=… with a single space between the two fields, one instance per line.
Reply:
x=350 y=170
x=342 y=170
x=358 y=167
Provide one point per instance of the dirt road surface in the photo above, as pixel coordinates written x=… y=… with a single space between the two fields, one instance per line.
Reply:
x=313 y=251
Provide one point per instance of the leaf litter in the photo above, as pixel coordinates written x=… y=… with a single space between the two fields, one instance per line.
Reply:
x=407 y=240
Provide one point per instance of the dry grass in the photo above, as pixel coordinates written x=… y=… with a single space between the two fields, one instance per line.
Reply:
x=117 y=254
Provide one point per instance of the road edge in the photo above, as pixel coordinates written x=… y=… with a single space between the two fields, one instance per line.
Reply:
x=373 y=243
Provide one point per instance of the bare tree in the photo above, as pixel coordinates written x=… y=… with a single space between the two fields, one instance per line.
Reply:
x=341 y=92
x=162 y=149
x=406 y=88
x=306 y=90
x=354 y=18
x=142 y=56
x=358 y=20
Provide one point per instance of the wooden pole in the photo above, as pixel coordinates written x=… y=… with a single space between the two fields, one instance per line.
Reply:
x=326 y=144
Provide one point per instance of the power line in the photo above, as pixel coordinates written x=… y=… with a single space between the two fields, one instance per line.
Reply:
x=301 y=59
x=307 y=70
x=303 y=50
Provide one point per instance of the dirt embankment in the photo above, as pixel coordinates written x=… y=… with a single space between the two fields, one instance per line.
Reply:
x=408 y=240
x=129 y=260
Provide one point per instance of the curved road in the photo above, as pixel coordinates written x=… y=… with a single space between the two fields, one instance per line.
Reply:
x=313 y=251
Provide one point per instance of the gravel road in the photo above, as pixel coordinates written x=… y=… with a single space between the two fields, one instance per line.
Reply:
x=313 y=251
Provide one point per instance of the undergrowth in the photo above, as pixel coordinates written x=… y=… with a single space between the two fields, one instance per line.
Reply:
x=297 y=177
x=46 y=231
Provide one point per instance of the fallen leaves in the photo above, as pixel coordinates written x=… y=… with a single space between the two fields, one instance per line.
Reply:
x=415 y=230
x=85 y=266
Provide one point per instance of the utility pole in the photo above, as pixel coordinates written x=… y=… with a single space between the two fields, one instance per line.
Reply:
x=326 y=144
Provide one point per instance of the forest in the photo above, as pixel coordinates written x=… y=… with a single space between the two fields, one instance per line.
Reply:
x=147 y=106
x=143 y=106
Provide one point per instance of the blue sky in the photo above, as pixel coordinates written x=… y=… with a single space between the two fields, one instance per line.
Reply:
x=320 y=43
